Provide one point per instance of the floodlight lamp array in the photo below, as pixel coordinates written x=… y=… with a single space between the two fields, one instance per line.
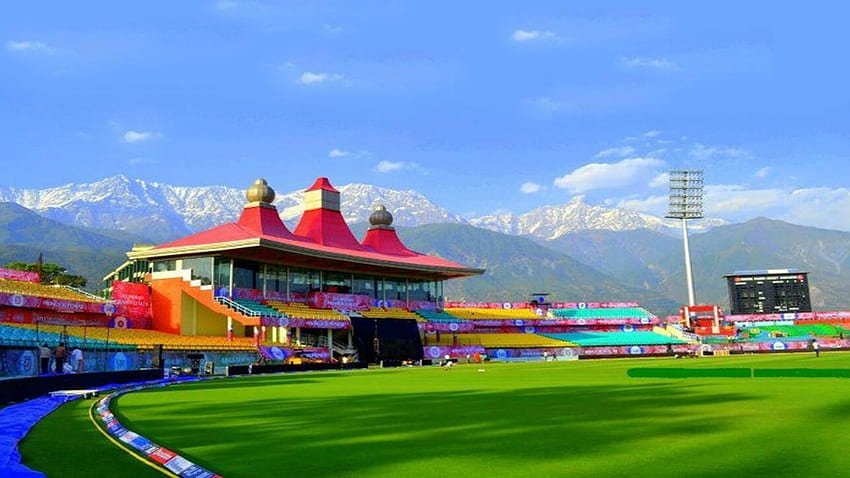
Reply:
x=686 y=194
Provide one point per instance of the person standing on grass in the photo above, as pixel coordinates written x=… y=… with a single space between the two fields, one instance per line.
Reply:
x=59 y=356
x=816 y=347
x=44 y=355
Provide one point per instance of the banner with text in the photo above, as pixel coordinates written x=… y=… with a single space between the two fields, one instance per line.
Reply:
x=293 y=322
x=447 y=327
x=826 y=315
x=531 y=354
x=593 y=305
x=436 y=352
x=333 y=300
x=133 y=303
x=283 y=353
x=59 y=305
x=24 y=276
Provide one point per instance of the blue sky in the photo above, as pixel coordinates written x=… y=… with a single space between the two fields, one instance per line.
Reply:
x=482 y=106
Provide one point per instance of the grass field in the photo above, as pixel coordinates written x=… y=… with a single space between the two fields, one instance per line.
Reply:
x=538 y=419
x=66 y=443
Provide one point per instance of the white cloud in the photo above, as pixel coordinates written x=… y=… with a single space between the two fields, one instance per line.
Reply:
x=224 y=5
x=546 y=104
x=620 y=152
x=240 y=7
x=309 y=78
x=139 y=136
x=817 y=206
x=763 y=172
x=530 y=187
x=661 y=180
x=391 y=166
x=821 y=207
x=647 y=62
x=656 y=205
x=701 y=151
x=732 y=199
x=653 y=133
x=28 y=45
x=532 y=35
x=344 y=153
x=331 y=30
x=609 y=175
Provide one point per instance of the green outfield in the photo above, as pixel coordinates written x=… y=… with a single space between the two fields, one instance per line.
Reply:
x=584 y=418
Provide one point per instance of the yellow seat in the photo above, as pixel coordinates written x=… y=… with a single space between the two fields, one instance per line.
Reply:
x=500 y=340
x=473 y=313
x=390 y=313
x=303 y=311
x=147 y=339
x=46 y=291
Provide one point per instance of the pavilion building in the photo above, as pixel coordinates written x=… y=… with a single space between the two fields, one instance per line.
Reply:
x=254 y=274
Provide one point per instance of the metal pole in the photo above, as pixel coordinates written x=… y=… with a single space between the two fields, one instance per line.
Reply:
x=688 y=272
x=106 y=352
x=230 y=282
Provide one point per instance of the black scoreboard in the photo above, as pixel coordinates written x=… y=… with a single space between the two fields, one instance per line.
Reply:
x=770 y=291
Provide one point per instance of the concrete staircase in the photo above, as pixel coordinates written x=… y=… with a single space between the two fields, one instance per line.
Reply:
x=204 y=295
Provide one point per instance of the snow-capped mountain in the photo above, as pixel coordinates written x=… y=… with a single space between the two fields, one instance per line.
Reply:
x=552 y=222
x=161 y=212
x=409 y=208
x=151 y=210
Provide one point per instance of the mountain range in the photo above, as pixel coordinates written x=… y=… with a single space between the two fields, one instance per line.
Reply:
x=576 y=251
x=556 y=221
x=87 y=252
x=159 y=212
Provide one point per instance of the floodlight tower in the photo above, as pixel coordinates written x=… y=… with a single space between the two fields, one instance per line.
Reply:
x=686 y=203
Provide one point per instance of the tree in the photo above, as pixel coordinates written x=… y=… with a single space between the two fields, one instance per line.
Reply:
x=50 y=273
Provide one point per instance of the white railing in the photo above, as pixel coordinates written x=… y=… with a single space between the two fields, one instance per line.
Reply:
x=244 y=310
x=81 y=292
x=664 y=331
x=342 y=348
x=676 y=331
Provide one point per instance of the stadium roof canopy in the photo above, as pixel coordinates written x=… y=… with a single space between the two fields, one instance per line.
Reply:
x=322 y=239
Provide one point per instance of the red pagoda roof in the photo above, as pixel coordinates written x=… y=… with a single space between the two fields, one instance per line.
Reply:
x=328 y=228
x=387 y=242
x=322 y=183
x=321 y=232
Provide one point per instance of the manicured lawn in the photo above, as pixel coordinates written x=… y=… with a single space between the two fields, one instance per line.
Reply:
x=66 y=444
x=540 y=419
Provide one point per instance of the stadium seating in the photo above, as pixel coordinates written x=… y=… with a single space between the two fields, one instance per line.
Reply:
x=96 y=337
x=614 y=313
x=473 y=313
x=714 y=340
x=795 y=331
x=47 y=291
x=607 y=339
x=303 y=311
x=439 y=316
x=501 y=340
x=258 y=308
x=390 y=313
x=28 y=336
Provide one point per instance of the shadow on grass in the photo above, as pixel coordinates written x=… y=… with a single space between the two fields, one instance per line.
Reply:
x=666 y=372
x=353 y=435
